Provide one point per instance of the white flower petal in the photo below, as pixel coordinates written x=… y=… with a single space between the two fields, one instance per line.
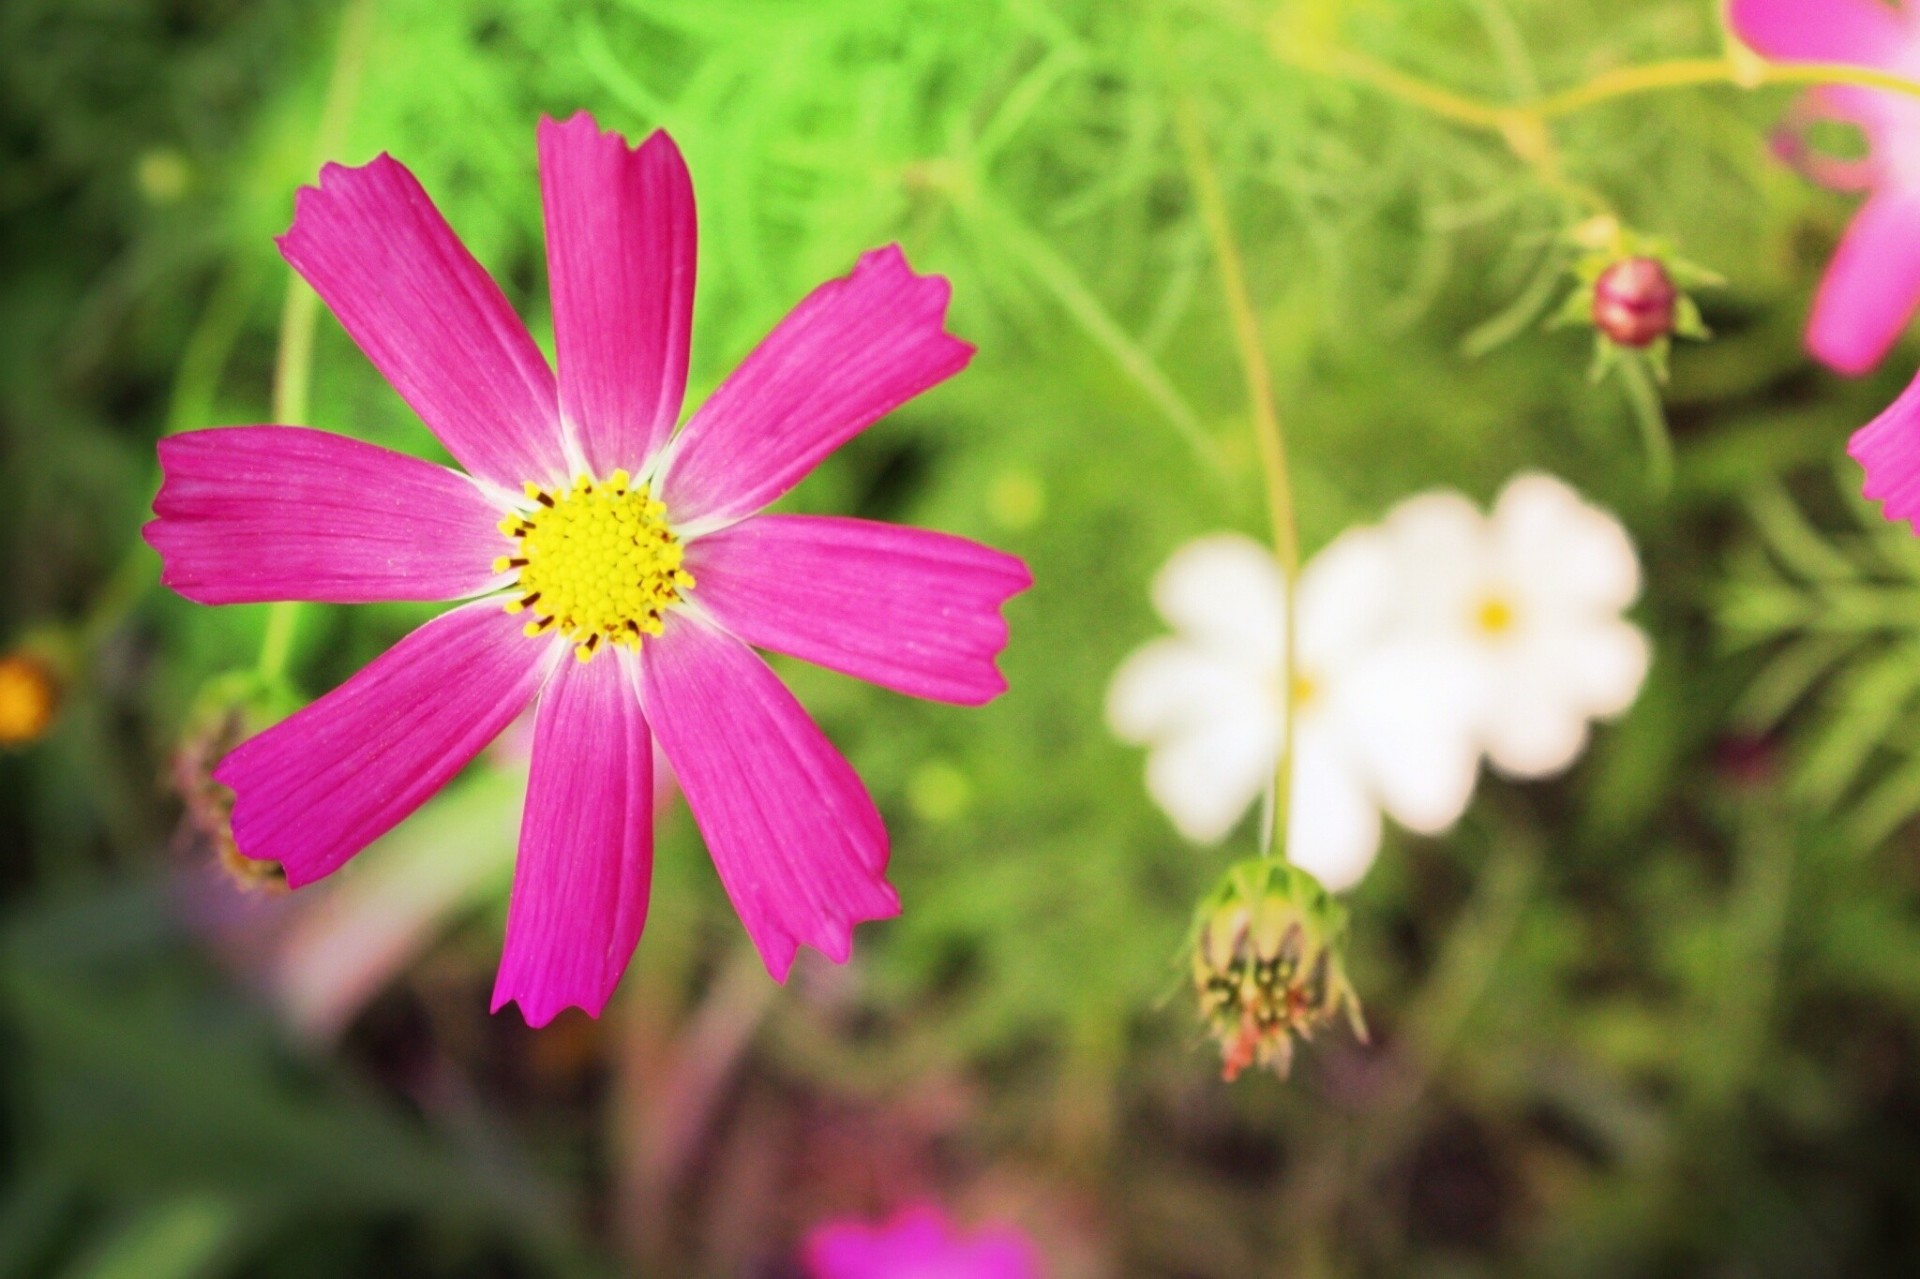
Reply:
x=1225 y=591
x=1535 y=723
x=1607 y=663
x=1205 y=780
x=1533 y=737
x=1550 y=681
x=1441 y=547
x=1333 y=831
x=1410 y=712
x=1170 y=686
x=1555 y=550
x=1346 y=598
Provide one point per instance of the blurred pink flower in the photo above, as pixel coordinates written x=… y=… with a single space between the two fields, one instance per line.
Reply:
x=918 y=1243
x=639 y=551
x=1872 y=287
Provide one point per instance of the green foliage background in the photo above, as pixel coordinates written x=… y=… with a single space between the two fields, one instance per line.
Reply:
x=1656 y=1017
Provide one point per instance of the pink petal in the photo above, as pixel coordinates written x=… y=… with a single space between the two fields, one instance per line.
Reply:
x=586 y=844
x=256 y=513
x=917 y=1241
x=1878 y=119
x=319 y=786
x=905 y=608
x=1865 y=32
x=1872 y=287
x=1889 y=449
x=620 y=251
x=854 y=350
x=797 y=841
x=373 y=246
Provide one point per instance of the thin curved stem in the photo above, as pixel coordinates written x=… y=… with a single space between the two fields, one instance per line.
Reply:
x=1522 y=124
x=1266 y=418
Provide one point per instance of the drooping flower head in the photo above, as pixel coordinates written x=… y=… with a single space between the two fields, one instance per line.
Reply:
x=1872 y=287
x=618 y=571
x=918 y=1242
x=1268 y=957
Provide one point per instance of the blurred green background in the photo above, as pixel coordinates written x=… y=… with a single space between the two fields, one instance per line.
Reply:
x=1656 y=1017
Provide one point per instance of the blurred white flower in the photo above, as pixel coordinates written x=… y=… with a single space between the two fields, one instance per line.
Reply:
x=1380 y=723
x=1422 y=642
x=1529 y=599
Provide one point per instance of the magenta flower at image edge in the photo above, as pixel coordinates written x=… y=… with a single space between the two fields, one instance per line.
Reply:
x=918 y=1240
x=1872 y=286
x=1888 y=450
x=617 y=571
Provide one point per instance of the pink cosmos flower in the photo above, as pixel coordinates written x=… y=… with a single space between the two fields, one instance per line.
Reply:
x=918 y=1243
x=1872 y=287
x=617 y=571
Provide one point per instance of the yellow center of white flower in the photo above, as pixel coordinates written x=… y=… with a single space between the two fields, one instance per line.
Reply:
x=1495 y=616
x=598 y=562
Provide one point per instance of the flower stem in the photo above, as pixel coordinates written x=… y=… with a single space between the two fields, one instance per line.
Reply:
x=1523 y=124
x=1643 y=397
x=293 y=362
x=1266 y=420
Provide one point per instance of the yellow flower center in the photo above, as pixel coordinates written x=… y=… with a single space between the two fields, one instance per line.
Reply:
x=1306 y=690
x=598 y=562
x=1494 y=616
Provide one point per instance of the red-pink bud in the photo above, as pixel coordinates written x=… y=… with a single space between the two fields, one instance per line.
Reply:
x=1633 y=302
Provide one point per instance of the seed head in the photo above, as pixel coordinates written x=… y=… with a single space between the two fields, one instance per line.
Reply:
x=1268 y=961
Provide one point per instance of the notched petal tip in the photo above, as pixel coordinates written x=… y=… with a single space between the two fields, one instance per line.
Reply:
x=833 y=940
x=539 y=1013
x=658 y=142
x=1888 y=451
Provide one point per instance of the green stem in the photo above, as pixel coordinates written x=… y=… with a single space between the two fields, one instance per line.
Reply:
x=299 y=314
x=1267 y=430
x=1643 y=397
x=1521 y=122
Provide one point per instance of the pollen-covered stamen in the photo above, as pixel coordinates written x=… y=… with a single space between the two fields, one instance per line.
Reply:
x=598 y=562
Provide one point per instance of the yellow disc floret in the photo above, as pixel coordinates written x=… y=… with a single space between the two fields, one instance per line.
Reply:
x=597 y=562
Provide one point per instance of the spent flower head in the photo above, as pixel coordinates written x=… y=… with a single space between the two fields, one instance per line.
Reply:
x=1268 y=958
x=229 y=709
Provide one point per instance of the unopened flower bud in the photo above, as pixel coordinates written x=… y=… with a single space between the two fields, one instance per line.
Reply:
x=1269 y=963
x=1634 y=302
x=30 y=690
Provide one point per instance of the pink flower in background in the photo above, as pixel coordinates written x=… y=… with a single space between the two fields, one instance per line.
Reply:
x=1872 y=287
x=618 y=571
x=918 y=1243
